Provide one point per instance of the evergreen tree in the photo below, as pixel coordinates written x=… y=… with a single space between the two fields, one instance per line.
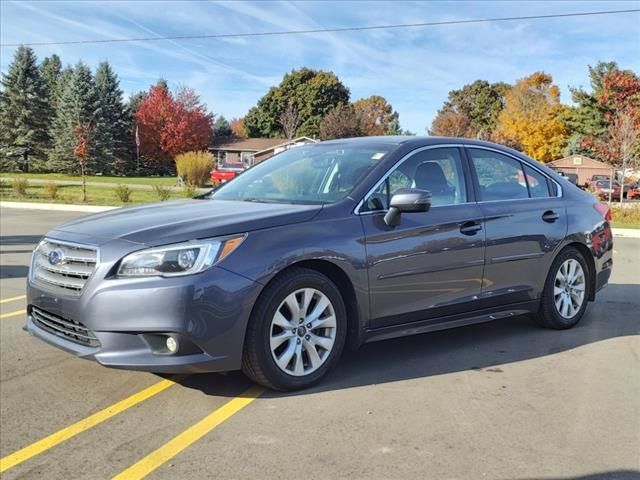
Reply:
x=78 y=105
x=111 y=138
x=23 y=112
x=221 y=127
x=51 y=70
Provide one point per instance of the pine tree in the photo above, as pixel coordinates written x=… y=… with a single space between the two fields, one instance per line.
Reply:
x=112 y=128
x=78 y=105
x=51 y=70
x=23 y=113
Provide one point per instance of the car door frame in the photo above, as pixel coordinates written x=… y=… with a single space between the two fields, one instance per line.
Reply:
x=471 y=201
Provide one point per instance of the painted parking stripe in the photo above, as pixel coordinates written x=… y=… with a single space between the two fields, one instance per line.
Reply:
x=173 y=447
x=91 y=421
x=13 y=314
x=12 y=299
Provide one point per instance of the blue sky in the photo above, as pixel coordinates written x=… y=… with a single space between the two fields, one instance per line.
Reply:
x=413 y=68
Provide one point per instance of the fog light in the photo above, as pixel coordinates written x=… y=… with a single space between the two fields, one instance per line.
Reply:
x=172 y=344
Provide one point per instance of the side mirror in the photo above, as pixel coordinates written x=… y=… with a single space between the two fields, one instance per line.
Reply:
x=407 y=200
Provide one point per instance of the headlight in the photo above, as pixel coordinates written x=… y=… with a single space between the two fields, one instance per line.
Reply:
x=178 y=259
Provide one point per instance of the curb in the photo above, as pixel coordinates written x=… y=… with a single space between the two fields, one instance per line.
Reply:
x=63 y=207
x=626 y=232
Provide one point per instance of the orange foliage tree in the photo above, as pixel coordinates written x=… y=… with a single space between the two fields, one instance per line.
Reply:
x=532 y=118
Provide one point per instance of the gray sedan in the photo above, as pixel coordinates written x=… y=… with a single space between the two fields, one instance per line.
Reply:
x=317 y=249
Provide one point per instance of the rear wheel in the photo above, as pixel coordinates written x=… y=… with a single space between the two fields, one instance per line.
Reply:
x=296 y=332
x=566 y=292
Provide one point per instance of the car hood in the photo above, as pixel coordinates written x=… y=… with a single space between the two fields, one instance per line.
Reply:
x=181 y=220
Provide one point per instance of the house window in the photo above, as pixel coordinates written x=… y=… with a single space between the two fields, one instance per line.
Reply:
x=577 y=160
x=222 y=159
x=247 y=159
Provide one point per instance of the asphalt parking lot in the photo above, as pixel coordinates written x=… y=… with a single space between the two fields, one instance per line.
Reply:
x=504 y=400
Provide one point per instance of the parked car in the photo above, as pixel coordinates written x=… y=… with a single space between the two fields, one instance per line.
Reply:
x=633 y=191
x=591 y=182
x=603 y=187
x=319 y=248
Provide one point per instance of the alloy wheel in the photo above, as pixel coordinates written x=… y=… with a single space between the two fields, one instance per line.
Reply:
x=303 y=332
x=569 y=288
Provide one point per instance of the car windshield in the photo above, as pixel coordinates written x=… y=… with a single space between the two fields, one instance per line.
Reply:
x=322 y=173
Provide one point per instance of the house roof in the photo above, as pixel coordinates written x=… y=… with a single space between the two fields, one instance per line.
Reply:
x=577 y=161
x=245 y=144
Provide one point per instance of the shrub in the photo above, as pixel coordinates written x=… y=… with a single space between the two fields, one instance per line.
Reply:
x=19 y=186
x=194 y=167
x=189 y=190
x=123 y=192
x=163 y=192
x=51 y=190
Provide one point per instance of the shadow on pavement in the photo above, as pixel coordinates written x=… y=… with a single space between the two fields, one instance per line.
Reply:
x=13 y=271
x=476 y=347
x=20 y=239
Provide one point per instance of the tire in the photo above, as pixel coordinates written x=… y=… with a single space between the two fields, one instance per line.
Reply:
x=560 y=310
x=273 y=319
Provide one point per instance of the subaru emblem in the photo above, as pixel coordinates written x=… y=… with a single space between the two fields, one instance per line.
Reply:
x=56 y=257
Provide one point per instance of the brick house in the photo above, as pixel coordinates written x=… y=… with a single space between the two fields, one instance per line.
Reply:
x=240 y=153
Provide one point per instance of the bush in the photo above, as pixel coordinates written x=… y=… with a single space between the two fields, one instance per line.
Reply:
x=190 y=190
x=19 y=186
x=163 y=192
x=51 y=190
x=123 y=192
x=194 y=167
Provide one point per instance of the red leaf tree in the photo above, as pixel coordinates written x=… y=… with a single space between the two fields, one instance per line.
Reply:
x=171 y=125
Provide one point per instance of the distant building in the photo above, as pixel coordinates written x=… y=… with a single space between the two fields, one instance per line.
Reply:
x=241 y=153
x=582 y=166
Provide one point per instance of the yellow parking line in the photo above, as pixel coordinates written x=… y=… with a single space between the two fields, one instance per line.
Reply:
x=91 y=421
x=13 y=314
x=12 y=299
x=173 y=447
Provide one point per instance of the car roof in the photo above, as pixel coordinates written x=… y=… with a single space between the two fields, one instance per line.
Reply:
x=411 y=140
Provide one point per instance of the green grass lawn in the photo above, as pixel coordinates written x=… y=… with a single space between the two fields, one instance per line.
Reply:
x=166 y=181
x=73 y=194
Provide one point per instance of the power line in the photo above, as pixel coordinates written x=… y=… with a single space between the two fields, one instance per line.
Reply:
x=325 y=30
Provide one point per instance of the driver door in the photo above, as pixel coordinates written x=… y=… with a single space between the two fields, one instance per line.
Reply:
x=431 y=265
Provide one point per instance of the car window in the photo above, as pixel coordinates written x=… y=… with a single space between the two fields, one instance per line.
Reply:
x=500 y=177
x=437 y=170
x=537 y=183
x=320 y=173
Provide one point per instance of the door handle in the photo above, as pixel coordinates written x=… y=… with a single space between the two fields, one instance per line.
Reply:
x=550 y=216
x=470 y=228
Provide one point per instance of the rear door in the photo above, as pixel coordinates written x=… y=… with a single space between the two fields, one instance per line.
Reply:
x=431 y=264
x=525 y=220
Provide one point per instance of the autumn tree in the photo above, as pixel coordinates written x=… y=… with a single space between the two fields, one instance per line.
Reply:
x=533 y=118
x=450 y=124
x=237 y=127
x=341 y=122
x=169 y=126
x=376 y=115
x=314 y=92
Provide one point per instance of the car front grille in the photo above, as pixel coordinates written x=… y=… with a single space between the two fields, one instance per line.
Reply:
x=68 y=329
x=67 y=269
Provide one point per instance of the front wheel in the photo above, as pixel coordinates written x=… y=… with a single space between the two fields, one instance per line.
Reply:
x=296 y=332
x=566 y=292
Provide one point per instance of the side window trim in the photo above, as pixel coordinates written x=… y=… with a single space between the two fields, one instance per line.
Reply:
x=476 y=184
x=384 y=178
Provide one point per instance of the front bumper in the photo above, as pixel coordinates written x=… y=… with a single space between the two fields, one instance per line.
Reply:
x=209 y=311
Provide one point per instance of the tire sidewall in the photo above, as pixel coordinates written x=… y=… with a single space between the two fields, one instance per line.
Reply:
x=273 y=300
